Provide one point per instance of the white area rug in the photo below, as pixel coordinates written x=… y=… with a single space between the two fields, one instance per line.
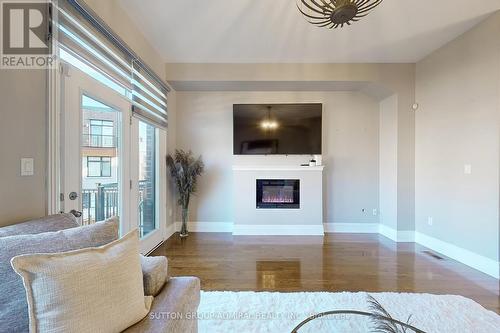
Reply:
x=263 y=312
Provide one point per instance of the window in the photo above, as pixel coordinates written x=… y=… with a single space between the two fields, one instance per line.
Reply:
x=101 y=133
x=98 y=166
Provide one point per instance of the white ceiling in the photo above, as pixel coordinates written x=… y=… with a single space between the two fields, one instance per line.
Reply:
x=273 y=31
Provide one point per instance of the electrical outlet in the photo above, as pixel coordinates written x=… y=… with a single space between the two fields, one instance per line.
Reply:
x=430 y=221
x=27 y=167
x=374 y=212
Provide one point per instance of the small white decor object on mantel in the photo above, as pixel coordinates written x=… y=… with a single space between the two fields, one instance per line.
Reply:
x=261 y=312
x=319 y=160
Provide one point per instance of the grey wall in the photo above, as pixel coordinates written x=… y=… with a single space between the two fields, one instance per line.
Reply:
x=350 y=150
x=458 y=89
x=22 y=134
x=388 y=190
x=385 y=79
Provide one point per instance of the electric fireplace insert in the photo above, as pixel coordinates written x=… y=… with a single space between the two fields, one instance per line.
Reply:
x=278 y=193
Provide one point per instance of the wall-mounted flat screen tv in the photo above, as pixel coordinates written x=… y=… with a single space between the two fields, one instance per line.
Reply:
x=277 y=129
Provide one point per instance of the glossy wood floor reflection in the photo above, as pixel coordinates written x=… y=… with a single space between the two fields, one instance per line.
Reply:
x=336 y=262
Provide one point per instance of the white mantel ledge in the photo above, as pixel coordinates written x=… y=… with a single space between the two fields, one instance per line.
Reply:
x=277 y=168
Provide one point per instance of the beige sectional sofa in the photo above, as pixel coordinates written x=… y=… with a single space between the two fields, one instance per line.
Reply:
x=176 y=299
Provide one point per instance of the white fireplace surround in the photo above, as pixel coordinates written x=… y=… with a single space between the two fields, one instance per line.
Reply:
x=306 y=220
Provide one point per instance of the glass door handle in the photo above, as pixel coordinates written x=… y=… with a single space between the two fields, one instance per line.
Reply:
x=75 y=213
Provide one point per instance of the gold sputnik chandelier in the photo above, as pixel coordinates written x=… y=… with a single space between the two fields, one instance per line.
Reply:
x=335 y=13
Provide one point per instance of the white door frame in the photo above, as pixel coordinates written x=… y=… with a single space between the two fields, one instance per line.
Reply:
x=55 y=82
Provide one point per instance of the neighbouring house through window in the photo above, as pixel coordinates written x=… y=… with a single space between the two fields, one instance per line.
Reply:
x=98 y=166
x=101 y=133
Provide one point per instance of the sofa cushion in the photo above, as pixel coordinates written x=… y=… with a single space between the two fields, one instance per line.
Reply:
x=95 y=289
x=154 y=274
x=13 y=305
x=174 y=308
x=45 y=224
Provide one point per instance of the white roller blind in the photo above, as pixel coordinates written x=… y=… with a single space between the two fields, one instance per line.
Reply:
x=88 y=43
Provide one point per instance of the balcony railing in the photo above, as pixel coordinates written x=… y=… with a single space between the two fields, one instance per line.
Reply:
x=99 y=141
x=102 y=202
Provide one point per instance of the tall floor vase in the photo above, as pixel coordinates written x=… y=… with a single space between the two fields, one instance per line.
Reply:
x=184 y=231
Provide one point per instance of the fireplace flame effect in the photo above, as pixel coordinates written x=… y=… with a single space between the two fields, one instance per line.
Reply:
x=277 y=200
x=283 y=195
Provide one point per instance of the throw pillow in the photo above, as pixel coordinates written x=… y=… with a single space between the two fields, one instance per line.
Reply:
x=88 y=290
x=13 y=305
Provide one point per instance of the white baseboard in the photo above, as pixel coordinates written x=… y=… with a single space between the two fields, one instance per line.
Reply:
x=406 y=236
x=466 y=257
x=278 y=230
x=352 y=228
x=171 y=229
x=206 y=226
x=469 y=258
x=388 y=232
x=370 y=228
x=396 y=235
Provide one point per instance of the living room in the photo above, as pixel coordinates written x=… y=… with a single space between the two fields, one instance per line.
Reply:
x=248 y=166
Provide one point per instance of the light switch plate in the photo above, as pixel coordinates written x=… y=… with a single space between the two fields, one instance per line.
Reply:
x=430 y=221
x=27 y=167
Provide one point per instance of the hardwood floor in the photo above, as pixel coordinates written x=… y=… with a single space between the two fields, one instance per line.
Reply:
x=336 y=262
